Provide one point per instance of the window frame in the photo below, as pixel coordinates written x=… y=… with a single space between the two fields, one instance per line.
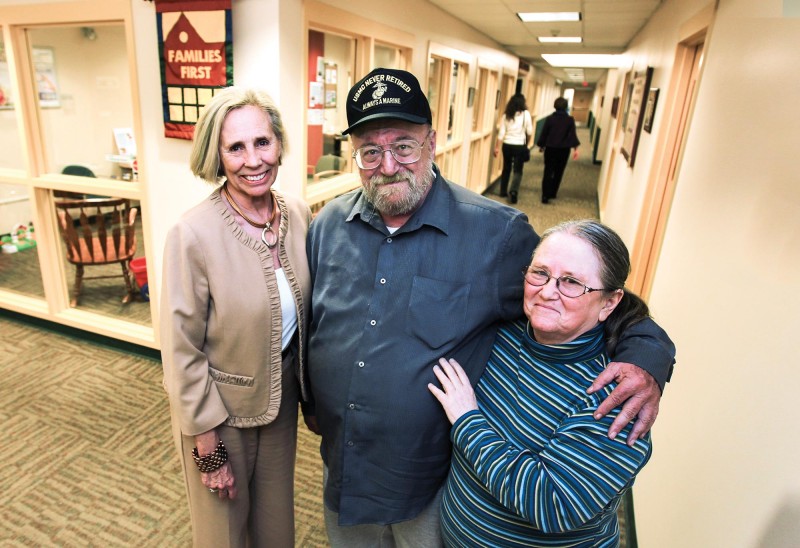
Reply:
x=17 y=20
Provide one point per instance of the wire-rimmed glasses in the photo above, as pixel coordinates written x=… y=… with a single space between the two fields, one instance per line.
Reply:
x=405 y=151
x=566 y=285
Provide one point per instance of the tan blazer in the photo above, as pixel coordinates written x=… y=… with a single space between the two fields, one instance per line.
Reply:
x=221 y=316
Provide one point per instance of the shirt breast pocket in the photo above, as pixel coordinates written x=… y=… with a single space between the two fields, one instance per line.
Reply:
x=437 y=310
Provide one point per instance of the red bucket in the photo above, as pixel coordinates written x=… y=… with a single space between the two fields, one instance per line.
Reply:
x=139 y=269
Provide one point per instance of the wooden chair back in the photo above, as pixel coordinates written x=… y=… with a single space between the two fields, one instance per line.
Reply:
x=98 y=230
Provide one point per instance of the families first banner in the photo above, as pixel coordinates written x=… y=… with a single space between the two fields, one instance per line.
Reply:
x=195 y=41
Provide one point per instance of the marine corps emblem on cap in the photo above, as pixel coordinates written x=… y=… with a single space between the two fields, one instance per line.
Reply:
x=387 y=93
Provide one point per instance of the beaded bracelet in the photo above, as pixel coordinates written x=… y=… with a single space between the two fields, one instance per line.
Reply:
x=212 y=461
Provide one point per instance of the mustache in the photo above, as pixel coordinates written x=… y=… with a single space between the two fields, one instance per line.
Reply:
x=388 y=179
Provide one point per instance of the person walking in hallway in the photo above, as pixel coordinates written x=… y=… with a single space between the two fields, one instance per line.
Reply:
x=516 y=128
x=557 y=138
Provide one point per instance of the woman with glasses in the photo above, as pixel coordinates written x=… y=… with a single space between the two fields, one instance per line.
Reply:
x=531 y=466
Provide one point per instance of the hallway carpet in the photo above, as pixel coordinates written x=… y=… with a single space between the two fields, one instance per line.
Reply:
x=577 y=197
x=87 y=454
x=88 y=459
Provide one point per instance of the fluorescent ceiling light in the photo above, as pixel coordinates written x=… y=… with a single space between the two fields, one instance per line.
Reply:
x=560 y=39
x=586 y=60
x=549 y=16
x=574 y=73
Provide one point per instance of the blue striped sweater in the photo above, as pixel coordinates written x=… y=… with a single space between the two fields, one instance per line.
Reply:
x=532 y=467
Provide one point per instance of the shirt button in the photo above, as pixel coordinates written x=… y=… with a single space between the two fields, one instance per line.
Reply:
x=349 y=444
x=383 y=281
x=373 y=322
x=352 y=406
x=361 y=364
x=388 y=240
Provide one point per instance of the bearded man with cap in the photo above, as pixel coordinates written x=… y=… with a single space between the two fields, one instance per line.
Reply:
x=405 y=270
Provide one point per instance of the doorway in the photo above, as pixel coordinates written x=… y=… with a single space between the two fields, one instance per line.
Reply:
x=663 y=179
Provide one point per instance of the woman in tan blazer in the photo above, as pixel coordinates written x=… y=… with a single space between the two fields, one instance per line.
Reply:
x=234 y=315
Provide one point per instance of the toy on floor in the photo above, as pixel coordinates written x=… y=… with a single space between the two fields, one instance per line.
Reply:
x=19 y=238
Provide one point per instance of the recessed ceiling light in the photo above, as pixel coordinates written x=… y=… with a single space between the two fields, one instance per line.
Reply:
x=547 y=16
x=560 y=39
x=576 y=74
x=587 y=60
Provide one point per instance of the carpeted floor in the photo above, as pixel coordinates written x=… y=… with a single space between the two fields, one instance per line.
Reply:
x=577 y=197
x=21 y=273
x=88 y=459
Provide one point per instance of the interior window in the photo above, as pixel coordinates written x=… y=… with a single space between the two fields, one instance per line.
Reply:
x=84 y=107
x=19 y=257
x=435 y=78
x=104 y=256
x=452 y=116
x=389 y=57
x=332 y=64
x=448 y=91
x=11 y=156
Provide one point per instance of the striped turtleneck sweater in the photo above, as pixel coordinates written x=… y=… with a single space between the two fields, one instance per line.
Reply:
x=532 y=467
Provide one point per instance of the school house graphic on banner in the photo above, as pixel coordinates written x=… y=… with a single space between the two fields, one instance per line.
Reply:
x=196 y=59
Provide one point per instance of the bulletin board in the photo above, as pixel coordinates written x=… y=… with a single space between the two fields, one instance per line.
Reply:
x=331 y=82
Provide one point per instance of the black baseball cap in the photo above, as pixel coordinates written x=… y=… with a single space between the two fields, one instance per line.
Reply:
x=387 y=93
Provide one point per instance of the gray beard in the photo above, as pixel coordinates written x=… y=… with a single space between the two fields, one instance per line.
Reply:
x=417 y=187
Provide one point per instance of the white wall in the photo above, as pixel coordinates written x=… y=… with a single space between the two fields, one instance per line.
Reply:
x=727 y=443
x=654 y=47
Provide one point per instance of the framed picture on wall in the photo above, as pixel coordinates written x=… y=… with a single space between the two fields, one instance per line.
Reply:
x=614 y=107
x=650 y=109
x=633 y=114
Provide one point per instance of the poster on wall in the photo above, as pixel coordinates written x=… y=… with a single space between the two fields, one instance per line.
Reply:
x=195 y=41
x=44 y=67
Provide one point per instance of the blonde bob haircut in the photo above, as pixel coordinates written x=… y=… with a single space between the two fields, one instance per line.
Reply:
x=204 y=160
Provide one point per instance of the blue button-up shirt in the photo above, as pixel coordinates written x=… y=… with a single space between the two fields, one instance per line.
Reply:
x=385 y=307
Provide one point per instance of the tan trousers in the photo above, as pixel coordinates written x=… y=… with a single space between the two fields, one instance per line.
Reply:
x=263 y=458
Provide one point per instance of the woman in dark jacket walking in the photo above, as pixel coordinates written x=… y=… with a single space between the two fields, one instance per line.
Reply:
x=557 y=137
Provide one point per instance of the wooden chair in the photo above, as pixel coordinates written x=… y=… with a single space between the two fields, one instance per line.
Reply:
x=98 y=231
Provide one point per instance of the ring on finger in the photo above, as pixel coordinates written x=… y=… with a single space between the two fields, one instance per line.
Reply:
x=212 y=490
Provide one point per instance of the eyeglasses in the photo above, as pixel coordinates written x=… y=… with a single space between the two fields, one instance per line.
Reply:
x=566 y=285
x=406 y=151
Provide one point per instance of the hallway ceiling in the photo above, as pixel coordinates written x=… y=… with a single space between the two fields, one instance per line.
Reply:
x=606 y=26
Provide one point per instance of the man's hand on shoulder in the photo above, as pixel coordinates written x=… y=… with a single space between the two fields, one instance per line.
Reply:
x=638 y=394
